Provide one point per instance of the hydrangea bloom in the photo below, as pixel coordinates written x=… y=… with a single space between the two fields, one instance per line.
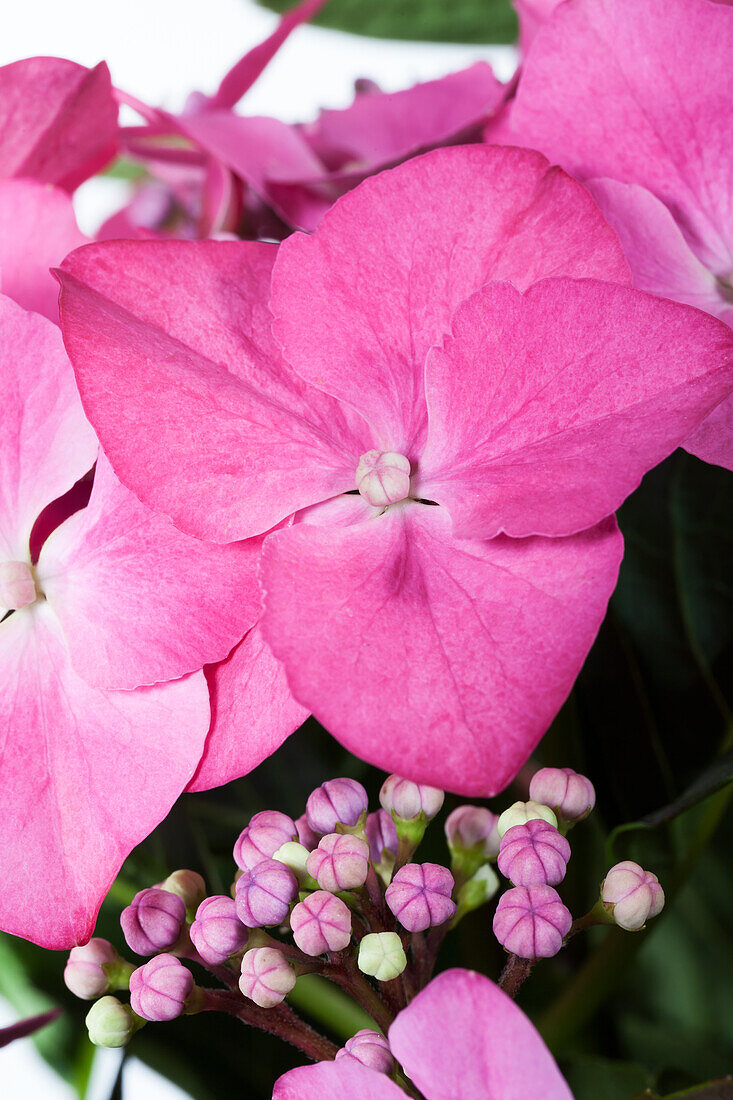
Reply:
x=437 y=641
x=461 y=1027
x=117 y=599
x=612 y=91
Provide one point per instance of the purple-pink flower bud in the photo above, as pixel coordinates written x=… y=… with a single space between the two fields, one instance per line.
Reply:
x=568 y=793
x=83 y=973
x=266 y=832
x=264 y=894
x=631 y=895
x=531 y=921
x=306 y=836
x=370 y=1049
x=267 y=977
x=217 y=931
x=320 y=923
x=17 y=586
x=470 y=826
x=381 y=833
x=336 y=802
x=340 y=862
x=407 y=800
x=420 y=896
x=534 y=853
x=153 y=921
x=159 y=989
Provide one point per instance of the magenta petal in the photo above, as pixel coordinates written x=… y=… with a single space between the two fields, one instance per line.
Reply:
x=614 y=89
x=194 y=407
x=335 y=1081
x=47 y=444
x=712 y=441
x=85 y=775
x=58 y=120
x=547 y=408
x=37 y=229
x=358 y=304
x=440 y=658
x=140 y=602
x=461 y=1018
x=252 y=712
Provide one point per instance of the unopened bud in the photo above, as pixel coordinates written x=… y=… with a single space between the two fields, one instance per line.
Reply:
x=320 y=923
x=217 y=933
x=522 y=812
x=382 y=956
x=266 y=977
x=266 y=832
x=153 y=921
x=370 y=1049
x=534 y=853
x=407 y=800
x=631 y=895
x=17 y=585
x=340 y=862
x=565 y=791
x=265 y=893
x=189 y=887
x=338 y=802
x=112 y=1024
x=295 y=856
x=419 y=896
x=160 y=989
x=383 y=477
x=531 y=921
x=95 y=969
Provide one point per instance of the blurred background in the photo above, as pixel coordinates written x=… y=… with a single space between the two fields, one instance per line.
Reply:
x=649 y=720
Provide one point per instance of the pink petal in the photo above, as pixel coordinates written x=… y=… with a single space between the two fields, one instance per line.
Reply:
x=532 y=15
x=47 y=444
x=37 y=229
x=336 y=1081
x=461 y=1018
x=243 y=75
x=252 y=712
x=612 y=88
x=383 y=127
x=660 y=258
x=712 y=441
x=179 y=374
x=358 y=304
x=58 y=120
x=546 y=408
x=443 y=660
x=140 y=602
x=85 y=776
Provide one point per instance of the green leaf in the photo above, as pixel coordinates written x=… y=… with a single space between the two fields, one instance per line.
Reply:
x=429 y=20
x=593 y=1078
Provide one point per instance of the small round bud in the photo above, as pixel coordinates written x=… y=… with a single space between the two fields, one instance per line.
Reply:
x=266 y=832
x=294 y=856
x=383 y=477
x=264 y=894
x=110 y=1023
x=533 y=854
x=188 y=885
x=159 y=989
x=17 y=586
x=306 y=836
x=531 y=921
x=217 y=931
x=382 y=956
x=320 y=923
x=407 y=800
x=569 y=794
x=83 y=973
x=370 y=1049
x=382 y=836
x=522 y=812
x=340 y=862
x=470 y=828
x=336 y=802
x=420 y=896
x=153 y=921
x=267 y=977
x=631 y=895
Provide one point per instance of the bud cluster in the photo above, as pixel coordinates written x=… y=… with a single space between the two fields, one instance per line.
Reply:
x=338 y=892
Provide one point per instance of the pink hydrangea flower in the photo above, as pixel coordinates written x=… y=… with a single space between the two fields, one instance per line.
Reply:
x=104 y=709
x=460 y=1029
x=600 y=93
x=528 y=410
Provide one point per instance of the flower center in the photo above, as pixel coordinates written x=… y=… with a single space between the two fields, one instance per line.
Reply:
x=383 y=477
x=17 y=586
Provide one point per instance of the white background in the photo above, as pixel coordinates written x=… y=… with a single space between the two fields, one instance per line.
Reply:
x=159 y=51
